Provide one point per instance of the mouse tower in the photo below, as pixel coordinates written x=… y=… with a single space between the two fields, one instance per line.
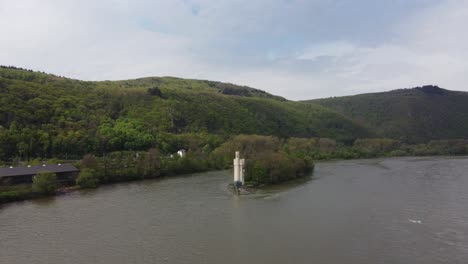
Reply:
x=239 y=165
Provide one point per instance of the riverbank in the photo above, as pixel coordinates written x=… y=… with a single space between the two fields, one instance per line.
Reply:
x=18 y=193
x=24 y=192
x=269 y=161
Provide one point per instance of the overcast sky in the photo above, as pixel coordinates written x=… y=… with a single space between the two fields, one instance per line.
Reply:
x=299 y=49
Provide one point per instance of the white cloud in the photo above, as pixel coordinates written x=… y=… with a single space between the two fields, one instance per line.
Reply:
x=288 y=48
x=429 y=48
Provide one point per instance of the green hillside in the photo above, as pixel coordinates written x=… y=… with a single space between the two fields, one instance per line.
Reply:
x=412 y=115
x=43 y=115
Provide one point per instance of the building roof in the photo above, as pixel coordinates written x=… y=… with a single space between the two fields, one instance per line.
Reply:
x=33 y=170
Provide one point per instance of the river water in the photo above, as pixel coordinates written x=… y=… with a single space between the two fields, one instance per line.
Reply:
x=405 y=210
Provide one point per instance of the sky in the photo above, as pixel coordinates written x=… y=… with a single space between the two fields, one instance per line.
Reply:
x=299 y=49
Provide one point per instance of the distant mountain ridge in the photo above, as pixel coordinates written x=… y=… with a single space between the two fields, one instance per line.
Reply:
x=12 y=72
x=413 y=115
x=48 y=115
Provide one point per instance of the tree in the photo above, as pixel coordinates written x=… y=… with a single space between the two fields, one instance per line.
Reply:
x=256 y=172
x=45 y=182
x=326 y=144
x=155 y=91
x=89 y=161
x=87 y=179
x=150 y=164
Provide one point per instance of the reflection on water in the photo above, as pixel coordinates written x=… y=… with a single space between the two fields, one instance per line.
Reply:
x=272 y=191
x=349 y=212
x=44 y=202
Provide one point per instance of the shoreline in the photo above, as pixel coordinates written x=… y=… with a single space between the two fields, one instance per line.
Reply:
x=249 y=190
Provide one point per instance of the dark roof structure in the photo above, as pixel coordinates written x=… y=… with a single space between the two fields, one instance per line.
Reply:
x=33 y=170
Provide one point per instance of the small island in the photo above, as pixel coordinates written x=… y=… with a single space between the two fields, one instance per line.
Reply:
x=265 y=163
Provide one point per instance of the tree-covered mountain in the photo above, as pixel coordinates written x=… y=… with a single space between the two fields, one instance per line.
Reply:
x=43 y=115
x=412 y=115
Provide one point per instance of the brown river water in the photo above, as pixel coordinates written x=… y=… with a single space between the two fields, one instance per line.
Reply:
x=399 y=210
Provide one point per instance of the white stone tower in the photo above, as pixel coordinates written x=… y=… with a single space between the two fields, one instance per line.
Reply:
x=239 y=165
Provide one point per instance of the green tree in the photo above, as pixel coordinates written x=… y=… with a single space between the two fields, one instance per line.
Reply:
x=256 y=172
x=87 y=179
x=89 y=161
x=45 y=182
x=150 y=164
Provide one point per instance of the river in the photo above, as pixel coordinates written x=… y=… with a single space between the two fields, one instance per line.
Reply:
x=398 y=210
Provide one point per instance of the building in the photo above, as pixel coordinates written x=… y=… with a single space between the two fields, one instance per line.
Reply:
x=181 y=153
x=66 y=173
x=239 y=166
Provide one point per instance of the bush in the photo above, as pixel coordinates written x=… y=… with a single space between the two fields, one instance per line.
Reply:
x=374 y=147
x=9 y=196
x=53 y=161
x=45 y=183
x=256 y=172
x=89 y=161
x=398 y=153
x=155 y=91
x=149 y=164
x=87 y=179
x=35 y=162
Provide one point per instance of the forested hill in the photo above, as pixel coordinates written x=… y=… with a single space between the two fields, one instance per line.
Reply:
x=43 y=115
x=412 y=115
